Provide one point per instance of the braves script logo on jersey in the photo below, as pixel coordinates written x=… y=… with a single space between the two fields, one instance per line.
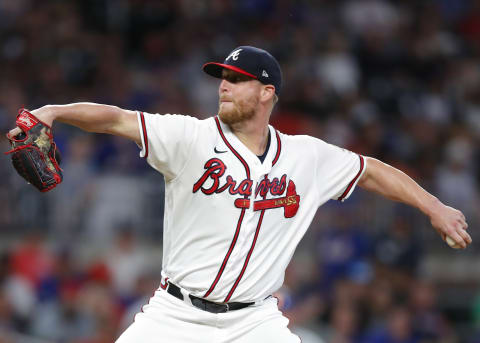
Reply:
x=215 y=169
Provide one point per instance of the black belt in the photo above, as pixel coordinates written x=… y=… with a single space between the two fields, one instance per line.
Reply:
x=206 y=305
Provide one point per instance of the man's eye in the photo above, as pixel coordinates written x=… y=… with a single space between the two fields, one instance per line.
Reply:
x=233 y=78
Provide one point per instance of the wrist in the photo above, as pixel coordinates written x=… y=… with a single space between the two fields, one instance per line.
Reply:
x=431 y=206
x=46 y=114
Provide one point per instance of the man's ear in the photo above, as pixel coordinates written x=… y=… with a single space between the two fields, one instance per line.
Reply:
x=267 y=92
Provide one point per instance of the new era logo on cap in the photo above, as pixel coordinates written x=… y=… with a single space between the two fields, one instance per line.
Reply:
x=250 y=61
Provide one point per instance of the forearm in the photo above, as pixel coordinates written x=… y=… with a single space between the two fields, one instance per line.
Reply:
x=93 y=118
x=398 y=186
x=87 y=116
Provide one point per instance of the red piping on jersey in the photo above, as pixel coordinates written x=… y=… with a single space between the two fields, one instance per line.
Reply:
x=247 y=169
x=240 y=219
x=225 y=260
x=279 y=148
x=350 y=185
x=248 y=255
x=145 y=137
x=247 y=259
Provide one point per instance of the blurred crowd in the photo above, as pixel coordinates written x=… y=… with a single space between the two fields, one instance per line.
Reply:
x=397 y=80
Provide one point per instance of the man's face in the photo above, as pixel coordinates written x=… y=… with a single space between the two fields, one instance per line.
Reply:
x=239 y=96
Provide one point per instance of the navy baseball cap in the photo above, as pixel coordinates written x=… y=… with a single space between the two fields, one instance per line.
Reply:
x=250 y=61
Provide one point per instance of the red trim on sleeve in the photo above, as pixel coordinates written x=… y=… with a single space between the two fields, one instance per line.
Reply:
x=145 y=137
x=350 y=185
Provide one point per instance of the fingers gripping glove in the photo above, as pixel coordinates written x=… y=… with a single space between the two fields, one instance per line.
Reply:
x=34 y=153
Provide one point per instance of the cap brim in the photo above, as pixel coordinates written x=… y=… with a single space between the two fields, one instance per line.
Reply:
x=215 y=69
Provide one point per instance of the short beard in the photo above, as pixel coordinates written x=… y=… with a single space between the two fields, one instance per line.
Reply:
x=242 y=111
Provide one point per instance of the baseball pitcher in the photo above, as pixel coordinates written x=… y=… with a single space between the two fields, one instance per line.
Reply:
x=239 y=197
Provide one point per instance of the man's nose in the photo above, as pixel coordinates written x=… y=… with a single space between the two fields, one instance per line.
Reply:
x=224 y=86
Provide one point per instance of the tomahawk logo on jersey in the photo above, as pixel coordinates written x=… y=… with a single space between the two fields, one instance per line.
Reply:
x=233 y=222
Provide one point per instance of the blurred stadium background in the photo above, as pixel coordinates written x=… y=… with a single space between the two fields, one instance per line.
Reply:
x=396 y=80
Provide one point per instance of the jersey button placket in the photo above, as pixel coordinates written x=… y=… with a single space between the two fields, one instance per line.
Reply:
x=246 y=233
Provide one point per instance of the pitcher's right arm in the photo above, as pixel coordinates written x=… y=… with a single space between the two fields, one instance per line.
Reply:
x=91 y=117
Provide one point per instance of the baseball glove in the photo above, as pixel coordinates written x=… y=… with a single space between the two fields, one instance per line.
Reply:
x=34 y=153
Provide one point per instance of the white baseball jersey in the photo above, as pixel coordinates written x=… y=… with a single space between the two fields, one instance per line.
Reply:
x=232 y=223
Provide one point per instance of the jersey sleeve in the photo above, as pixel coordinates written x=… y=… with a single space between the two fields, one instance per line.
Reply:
x=167 y=141
x=338 y=171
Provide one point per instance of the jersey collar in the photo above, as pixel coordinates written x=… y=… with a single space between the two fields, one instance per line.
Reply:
x=252 y=159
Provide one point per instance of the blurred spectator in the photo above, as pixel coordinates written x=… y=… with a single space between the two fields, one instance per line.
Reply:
x=397 y=248
x=456 y=180
x=21 y=300
x=66 y=278
x=140 y=296
x=380 y=301
x=429 y=325
x=7 y=316
x=62 y=319
x=337 y=68
x=344 y=325
x=370 y=16
x=69 y=212
x=118 y=198
x=126 y=262
x=99 y=305
x=31 y=260
x=342 y=250
x=397 y=330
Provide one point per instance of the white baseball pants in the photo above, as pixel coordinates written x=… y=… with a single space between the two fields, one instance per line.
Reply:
x=168 y=319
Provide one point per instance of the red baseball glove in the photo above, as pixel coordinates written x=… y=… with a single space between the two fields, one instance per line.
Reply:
x=34 y=153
